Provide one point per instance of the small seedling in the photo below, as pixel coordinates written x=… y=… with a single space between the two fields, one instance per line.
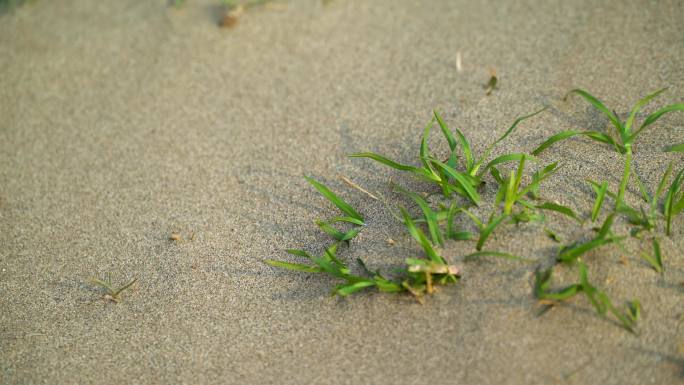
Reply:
x=352 y=216
x=112 y=294
x=622 y=139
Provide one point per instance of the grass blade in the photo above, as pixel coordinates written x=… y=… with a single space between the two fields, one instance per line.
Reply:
x=601 y=194
x=515 y=124
x=420 y=237
x=337 y=201
x=294 y=266
x=595 y=135
x=504 y=159
x=345 y=290
x=567 y=211
x=428 y=213
x=445 y=130
x=655 y=260
x=571 y=254
x=675 y=148
x=501 y=138
x=462 y=181
x=673 y=201
x=652 y=118
x=640 y=104
x=385 y=161
x=600 y=106
x=487 y=230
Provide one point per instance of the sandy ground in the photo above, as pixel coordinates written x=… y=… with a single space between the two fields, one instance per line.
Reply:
x=124 y=121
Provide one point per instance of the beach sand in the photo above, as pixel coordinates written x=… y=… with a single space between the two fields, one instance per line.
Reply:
x=122 y=122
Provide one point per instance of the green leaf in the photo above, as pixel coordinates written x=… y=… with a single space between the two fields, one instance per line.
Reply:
x=445 y=130
x=337 y=201
x=570 y=254
x=462 y=181
x=599 y=105
x=600 y=196
x=418 y=235
x=338 y=235
x=652 y=118
x=383 y=160
x=661 y=188
x=595 y=135
x=345 y=290
x=504 y=159
x=299 y=253
x=515 y=124
x=294 y=266
x=501 y=138
x=567 y=211
x=428 y=213
x=605 y=228
x=487 y=230
x=640 y=104
x=675 y=148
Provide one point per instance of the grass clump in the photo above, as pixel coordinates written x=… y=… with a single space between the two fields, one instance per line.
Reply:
x=460 y=177
x=112 y=293
x=463 y=179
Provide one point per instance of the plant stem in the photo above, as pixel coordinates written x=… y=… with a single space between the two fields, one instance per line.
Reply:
x=625 y=176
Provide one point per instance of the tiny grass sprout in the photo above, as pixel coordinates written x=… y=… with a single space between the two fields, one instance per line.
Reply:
x=447 y=174
x=330 y=264
x=111 y=293
x=655 y=260
x=599 y=299
x=352 y=217
x=623 y=138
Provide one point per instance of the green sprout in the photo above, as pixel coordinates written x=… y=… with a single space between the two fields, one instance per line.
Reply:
x=111 y=293
x=352 y=216
x=622 y=139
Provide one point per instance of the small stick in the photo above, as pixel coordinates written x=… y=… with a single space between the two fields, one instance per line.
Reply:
x=459 y=66
x=356 y=186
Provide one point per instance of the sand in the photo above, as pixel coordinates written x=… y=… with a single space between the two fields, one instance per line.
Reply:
x=124 y=121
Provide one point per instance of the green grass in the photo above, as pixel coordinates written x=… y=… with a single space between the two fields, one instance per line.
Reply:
x=460 y=178
x=623 y=136
x=112 y=293
x=452 y=176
